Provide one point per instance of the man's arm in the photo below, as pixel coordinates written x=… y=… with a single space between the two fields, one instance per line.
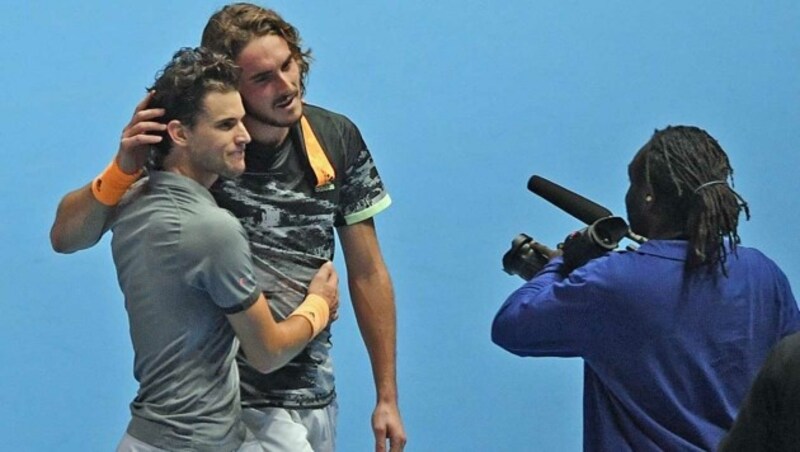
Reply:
x=373 y=302
x=268 y=344
x=553 y=315
x=80 y=217
x=79 y=222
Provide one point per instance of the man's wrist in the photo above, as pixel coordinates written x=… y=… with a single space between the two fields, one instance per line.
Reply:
x=127 y=165
x=314 y=309
x=110 y=185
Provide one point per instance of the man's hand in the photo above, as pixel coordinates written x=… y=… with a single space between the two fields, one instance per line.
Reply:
x=387 y=425
x=545 y=251
x=326 y=284
x=138 y=135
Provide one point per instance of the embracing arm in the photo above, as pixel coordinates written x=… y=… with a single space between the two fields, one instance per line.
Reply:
x=373 y=302
x=268 y=344
x=79 y=223
x=81 y=218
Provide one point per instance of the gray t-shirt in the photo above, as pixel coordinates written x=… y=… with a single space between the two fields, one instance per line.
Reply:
x=183 y=263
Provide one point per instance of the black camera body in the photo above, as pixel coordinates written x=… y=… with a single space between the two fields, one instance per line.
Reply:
x=522 y=259
x=602 y=236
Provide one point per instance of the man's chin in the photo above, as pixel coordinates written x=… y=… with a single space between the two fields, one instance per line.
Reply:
x=280 y=118
x=233 y=172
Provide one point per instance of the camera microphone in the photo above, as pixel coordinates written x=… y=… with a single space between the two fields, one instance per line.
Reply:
x=602 y=235
x=574 y=204
x=568 y=201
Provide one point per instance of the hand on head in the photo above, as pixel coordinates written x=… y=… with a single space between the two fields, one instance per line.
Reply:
x=138 y=135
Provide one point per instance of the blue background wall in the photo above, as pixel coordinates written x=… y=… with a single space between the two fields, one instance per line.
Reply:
x=460 y=103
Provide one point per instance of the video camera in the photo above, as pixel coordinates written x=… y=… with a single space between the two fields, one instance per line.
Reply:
x=603 y=233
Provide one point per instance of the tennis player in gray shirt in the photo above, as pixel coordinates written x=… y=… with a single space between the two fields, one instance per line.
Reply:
x=184 y=265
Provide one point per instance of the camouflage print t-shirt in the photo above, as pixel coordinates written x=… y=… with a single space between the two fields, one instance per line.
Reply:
x=290 y=224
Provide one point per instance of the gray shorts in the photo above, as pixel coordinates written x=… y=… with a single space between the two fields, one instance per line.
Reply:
x=293 y=430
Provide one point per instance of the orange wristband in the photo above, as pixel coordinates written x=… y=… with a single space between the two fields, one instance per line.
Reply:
x=314 y=309
x=109 y=187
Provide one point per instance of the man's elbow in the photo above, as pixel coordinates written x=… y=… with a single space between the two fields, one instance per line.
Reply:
x=58 y=242
x=505 y=335
x=265 y=366
x=63 y=244
x=499 y=333
x=266 y=362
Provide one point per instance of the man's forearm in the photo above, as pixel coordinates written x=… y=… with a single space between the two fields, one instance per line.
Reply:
x=80 y=221
x=373 y=303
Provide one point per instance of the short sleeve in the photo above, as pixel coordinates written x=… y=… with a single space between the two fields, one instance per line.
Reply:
x=363 y=194
x=220 y=262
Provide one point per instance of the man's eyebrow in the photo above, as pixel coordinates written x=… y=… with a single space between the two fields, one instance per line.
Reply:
x=268 y=72
x=226 y=119
x=262 y=74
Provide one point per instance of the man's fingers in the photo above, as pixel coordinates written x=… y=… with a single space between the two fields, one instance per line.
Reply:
x=333 y=276
x=143 y=127
x=146 y=115
x=380 y=440
x=396 y=444
x=139 y=140
x=328 y=273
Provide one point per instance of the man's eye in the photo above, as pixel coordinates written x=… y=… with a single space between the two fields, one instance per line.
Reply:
x=263 y=78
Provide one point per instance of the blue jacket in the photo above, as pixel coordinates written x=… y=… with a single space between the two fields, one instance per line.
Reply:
x=668 y=357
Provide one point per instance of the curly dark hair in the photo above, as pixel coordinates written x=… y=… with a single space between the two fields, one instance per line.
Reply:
x=686 y=167
x=231 y=28
x=181 y=86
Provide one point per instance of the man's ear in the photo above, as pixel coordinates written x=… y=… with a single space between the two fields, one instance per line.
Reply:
x=177 y=132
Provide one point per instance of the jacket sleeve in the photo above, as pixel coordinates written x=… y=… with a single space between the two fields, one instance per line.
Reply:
x=550 y=315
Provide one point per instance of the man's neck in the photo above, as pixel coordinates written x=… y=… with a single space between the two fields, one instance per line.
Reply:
x=173 y=164
x=666 y=232
x=265 y=134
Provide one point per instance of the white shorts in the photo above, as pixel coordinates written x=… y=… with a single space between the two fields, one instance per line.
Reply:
x=293 y=430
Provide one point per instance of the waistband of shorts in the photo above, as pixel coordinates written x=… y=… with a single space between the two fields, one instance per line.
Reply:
x=310 y=403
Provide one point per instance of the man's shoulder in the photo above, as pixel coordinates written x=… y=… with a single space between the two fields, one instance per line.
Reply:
x=752 y=259
x=321 y=117
x=211 y=221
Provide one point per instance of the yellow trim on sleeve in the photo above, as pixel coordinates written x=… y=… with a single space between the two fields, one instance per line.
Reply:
x=369 y=212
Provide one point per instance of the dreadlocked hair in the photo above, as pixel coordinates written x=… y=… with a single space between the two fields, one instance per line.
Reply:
x=688 y=169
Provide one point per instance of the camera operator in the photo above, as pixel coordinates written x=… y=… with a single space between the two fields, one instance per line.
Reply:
x=673 y=333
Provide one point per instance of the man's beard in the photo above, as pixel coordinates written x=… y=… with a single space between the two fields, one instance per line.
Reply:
x=267 y=119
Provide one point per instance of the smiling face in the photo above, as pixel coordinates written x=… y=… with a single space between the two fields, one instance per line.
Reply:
x=270 y=82
x=215 y=144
